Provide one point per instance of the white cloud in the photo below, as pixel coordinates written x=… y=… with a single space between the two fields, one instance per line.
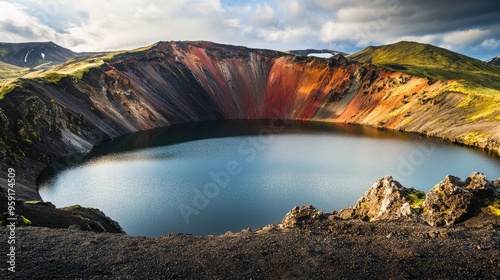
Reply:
x=150 y=12
x=491 y=43
x=17 y=25
x=286 y=34
x=278 y=24
x=426 y=39
x=263 y=15
x=334 y=31
x=331 y=4
x=464 y=37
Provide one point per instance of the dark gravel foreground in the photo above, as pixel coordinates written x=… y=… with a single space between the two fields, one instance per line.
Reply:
x=348 y=249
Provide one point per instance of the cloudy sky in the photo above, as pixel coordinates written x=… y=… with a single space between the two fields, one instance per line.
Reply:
x=466 y=26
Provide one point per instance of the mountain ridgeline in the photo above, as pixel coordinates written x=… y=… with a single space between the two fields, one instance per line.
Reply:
x=430 y=61
x=494 y=61
x=18 y=59
x=71 y=107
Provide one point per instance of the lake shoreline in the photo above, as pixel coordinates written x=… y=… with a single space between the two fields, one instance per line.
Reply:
x=182 y=172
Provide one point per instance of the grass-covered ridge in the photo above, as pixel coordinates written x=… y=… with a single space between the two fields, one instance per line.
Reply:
x=479 y=81
x=75 y=67
x=7 y=85
x=8 y=71
x=431 y=62
x=79 y=66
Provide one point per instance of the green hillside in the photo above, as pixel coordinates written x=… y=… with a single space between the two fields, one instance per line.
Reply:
x=11 y=71
x=431 y=62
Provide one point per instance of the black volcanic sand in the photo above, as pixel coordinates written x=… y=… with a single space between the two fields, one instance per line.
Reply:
x=350 y=249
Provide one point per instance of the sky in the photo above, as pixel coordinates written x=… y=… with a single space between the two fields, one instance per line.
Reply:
x=465 y=26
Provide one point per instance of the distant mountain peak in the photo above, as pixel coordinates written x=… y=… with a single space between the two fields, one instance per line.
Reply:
x=494 y=61
x=34 y=54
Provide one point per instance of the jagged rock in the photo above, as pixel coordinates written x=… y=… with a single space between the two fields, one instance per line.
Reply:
x=386 y=199
x=496 y=190
x=92 y=219
x=305 y=217
x=447 y=203
x=267 y=228
x=478 y=182
x=453 y=200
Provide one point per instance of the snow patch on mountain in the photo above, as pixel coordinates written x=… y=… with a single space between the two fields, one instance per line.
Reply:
x=322 y=55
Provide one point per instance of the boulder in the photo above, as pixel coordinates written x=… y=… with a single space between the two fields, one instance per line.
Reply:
x=447 y=203
x=496 y=190
x=453 y=200
x=386 y=199
x=305 y=217
x=478 y=183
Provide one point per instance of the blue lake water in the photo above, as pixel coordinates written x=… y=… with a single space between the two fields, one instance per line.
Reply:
x=214 y=177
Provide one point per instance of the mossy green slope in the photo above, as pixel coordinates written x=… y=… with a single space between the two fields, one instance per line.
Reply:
x=479 y=81
x=11 y=71
x=431 y=62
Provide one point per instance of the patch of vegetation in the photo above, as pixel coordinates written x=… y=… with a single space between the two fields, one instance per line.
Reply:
x=26 y=221
x=441 y=192
x=416 y=199
x=11 y=71
x=120 y=53
x=494 y=206
x=363 y=205
x=473 y=137
x=54 y=77
x=32 y=202
x=3 y=52
x=75 y=68
x=7 y=86
x=483 y=101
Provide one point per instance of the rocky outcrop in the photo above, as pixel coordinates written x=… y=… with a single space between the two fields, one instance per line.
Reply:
x=45 y=214
x=306 y=217
x=449 y=202
x=386 y=199
x=453 y=200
